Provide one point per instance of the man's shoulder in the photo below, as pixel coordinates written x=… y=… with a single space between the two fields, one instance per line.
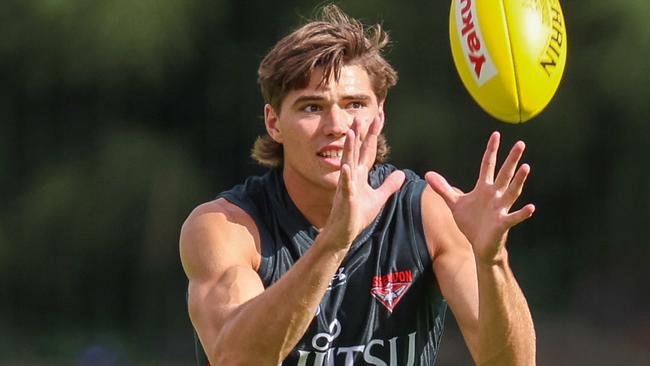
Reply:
x=213 y=227
x=217 y=214
x=244 y=205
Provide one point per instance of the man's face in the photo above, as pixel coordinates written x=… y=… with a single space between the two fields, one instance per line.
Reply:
x=313 y=121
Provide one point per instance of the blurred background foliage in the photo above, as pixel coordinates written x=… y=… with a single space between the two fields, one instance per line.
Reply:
x=118 y=117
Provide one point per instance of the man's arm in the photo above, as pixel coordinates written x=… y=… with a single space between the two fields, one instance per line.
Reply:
x=237 y=320
x=466 y=234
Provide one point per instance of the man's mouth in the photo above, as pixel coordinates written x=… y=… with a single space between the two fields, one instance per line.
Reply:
x=331 y=154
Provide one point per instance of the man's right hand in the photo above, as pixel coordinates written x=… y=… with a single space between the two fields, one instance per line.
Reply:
x=356 y=203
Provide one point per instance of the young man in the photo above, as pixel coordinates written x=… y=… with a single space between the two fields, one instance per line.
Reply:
x=334 y=258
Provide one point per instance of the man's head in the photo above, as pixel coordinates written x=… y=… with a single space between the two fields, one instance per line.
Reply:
x=326 y=44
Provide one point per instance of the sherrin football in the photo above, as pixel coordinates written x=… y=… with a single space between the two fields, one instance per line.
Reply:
x=510 y=54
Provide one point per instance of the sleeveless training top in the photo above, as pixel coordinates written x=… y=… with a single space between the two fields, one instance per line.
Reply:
x=383 y=306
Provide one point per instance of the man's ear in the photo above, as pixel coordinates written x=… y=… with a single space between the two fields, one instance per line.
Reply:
x=271 y=121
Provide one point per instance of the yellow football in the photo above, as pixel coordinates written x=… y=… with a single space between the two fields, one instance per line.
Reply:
x=510 y=54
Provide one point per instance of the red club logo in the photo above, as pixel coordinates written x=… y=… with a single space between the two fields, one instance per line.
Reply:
x=390 y=289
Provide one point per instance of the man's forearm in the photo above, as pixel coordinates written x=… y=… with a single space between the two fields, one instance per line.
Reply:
x=506 y=331
x=265 y=329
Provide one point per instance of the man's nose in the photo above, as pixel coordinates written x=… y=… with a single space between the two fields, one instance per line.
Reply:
x=337 y=121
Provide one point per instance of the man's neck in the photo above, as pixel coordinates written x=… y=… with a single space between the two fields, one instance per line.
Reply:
x=313 y=201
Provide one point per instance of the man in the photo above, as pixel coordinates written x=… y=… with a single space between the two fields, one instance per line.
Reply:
x=334 y=258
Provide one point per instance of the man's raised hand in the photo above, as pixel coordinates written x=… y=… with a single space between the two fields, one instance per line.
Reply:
x=356 y=203
x=483 y=214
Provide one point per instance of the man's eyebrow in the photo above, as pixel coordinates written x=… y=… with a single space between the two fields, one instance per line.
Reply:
x=308 y=98
x=319 y=97
x=356 y=97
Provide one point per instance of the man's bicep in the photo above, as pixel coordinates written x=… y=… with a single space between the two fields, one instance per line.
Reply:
x=217 y=253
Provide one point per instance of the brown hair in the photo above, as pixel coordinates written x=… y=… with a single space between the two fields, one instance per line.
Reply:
x=330 y=42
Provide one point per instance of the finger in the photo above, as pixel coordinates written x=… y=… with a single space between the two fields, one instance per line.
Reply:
x=516 y=186
x=391 y=184
x=489 y=161
x=348 y=148
x=440 y=186
x=345 y=180
x=519 y=216
x=357 y=141
x=368 y=152
x=354 y=154
x=509 y=165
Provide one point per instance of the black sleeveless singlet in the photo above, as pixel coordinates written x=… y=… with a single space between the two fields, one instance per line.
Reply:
x=383 y=306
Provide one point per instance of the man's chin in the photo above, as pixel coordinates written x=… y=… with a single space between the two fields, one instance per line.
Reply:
x=331 y=180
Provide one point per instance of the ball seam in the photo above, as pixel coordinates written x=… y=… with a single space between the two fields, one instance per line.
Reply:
x=504 y=14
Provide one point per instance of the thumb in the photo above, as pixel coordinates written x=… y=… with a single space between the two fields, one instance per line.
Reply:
x=440 y=186
x=392 y=183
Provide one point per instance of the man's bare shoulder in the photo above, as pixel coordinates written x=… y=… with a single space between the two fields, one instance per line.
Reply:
x=218 y=212
x=218 y=233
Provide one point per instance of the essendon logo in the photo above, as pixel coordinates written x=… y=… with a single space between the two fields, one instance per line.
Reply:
x=472 y=42
x=390 y=289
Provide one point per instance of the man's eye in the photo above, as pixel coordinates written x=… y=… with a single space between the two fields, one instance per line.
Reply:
x=311 y=108
x=355 y=105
